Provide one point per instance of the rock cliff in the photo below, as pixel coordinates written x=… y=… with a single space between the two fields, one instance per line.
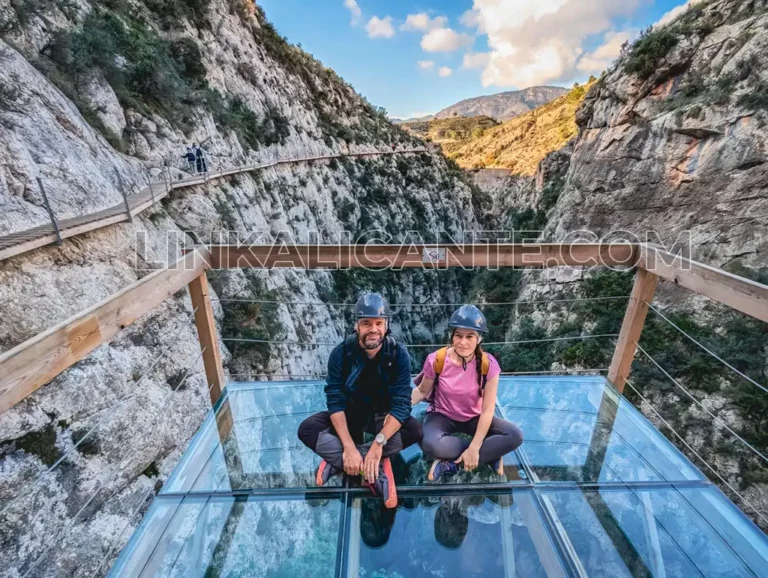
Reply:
x=93 y=90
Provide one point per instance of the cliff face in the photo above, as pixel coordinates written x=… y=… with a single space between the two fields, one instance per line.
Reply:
x=671 y=145
x=673 y=139
x=92 y=89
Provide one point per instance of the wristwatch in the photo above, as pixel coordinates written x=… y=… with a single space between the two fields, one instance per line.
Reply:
x=380 y=439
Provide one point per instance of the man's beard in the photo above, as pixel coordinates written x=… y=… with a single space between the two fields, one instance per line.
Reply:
x=368 y=341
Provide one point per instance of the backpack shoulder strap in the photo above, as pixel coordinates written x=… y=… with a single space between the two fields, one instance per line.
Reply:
x=485 y=368
x=486 y=364
x=440 y=361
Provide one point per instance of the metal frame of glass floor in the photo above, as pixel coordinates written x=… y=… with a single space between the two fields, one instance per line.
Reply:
x=595 y=490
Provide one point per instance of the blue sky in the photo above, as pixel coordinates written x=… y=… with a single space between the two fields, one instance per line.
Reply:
x=416 y=57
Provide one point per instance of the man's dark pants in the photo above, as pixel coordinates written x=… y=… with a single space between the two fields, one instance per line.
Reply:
x=318 y=434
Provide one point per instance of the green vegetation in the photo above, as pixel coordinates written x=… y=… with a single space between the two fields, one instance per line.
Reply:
x=260 y=321
x=648 y=52
x=41 y=443
x=150 y=74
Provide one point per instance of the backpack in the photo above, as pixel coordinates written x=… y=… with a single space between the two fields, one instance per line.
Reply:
x=440 y=363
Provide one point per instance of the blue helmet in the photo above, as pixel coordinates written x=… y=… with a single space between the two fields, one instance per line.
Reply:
x=372 y=305
x=468 y=317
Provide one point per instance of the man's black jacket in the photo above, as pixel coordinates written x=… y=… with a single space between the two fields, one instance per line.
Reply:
x=346 y=364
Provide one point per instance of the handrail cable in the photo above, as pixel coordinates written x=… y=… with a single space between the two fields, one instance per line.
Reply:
x=503 y=373
x=134 y=393
x=712 y=353
x=405 y=305
x=697 y=402
x=112 y=471
x=694 y=452
x=414 y=345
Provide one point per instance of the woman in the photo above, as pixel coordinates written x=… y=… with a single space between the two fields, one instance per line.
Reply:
x=460 y=382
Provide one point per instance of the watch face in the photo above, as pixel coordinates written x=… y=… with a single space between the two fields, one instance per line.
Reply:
x=380 y=439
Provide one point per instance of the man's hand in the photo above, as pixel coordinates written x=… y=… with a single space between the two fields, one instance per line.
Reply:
x=353 y=461
x=372 y=460
x=470 y=458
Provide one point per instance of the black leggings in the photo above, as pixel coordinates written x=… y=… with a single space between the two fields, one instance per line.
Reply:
x=439 y=441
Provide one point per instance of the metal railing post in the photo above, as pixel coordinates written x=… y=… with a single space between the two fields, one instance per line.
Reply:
x=125 y=197
x=50 y=213
x=166 y=177
x=149 y=182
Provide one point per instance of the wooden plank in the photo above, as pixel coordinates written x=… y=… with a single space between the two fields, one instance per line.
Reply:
x=206 y=331
x=402 y=256
x=737 y=292
x=30 y=365
x=632 y=327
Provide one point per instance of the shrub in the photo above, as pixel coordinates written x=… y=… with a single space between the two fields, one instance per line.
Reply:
x=651 y=48
x=757 y=99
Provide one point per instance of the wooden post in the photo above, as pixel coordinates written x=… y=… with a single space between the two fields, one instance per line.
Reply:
x=206 y=330
x=634 y=319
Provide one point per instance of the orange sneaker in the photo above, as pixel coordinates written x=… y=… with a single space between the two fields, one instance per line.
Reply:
x=325 y=472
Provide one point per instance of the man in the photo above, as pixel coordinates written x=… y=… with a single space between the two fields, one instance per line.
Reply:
x=368 y=389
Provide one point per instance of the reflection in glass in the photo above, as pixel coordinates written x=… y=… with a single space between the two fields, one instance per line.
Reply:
x=602 y=439
x=224 y=536
x=251 y=443
x=652 y=532
x=457 y=535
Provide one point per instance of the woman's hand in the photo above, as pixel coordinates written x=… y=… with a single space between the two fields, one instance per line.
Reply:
x=417 y=396
x=470 y=458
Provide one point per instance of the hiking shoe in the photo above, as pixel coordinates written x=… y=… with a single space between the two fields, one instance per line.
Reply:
x=498 y=466
x=384 y=485
x=442 y=468
x=325 y=472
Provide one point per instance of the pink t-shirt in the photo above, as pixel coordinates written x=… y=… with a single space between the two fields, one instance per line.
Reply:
x=457 y=395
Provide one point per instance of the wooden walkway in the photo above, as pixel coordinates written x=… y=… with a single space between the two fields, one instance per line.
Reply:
x=24 y=241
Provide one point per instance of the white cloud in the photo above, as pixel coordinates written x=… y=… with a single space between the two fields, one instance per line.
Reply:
x=445 y=72
x=470 y=18
x=354 y=9
x=541 y=42
x=602 y=57
x=426 y=64
x=422 y=21
x=675 y=13
x=476 y=59
x=444 y=40
x=380 y=27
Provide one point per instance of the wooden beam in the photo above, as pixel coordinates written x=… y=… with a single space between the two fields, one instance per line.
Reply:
x=206 y=331
x=30 y=365
x=413 y=255
x=632 y=327
x=737 y=292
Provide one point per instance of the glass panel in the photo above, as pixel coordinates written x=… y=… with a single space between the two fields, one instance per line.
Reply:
x=604 y=438
x=224 y=536
x=412 y=466
x=569 y=392
x=252 y=442
x=459 y=535
x=654 y=532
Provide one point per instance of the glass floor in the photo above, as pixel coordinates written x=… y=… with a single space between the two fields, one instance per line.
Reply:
x=595 y=490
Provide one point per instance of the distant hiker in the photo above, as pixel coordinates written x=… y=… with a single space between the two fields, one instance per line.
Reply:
x=202 y=166
x=460 y=382
x=368 y=389
x=190 y=158
x=393 y=147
